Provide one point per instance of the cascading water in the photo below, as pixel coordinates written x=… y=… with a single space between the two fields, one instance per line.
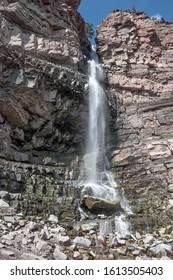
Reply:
x=96 y=127
x=98 y=181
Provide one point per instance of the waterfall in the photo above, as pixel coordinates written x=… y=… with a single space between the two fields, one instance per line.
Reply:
x=95 y=161
x=99 y=182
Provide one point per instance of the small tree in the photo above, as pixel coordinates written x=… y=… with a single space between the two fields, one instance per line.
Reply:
x=133 y=9
x=89 y=30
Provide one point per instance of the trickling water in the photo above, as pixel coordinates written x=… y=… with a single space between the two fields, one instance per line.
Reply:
x=99 y=182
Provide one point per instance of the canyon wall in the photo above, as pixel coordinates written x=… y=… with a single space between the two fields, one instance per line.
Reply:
x=43 y=56
x=43 y=108
x=137 y=55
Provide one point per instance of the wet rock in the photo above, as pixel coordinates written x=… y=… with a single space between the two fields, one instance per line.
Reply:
x=99 y=204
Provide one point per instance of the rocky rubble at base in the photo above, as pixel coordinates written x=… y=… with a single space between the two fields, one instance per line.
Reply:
x=37 y=239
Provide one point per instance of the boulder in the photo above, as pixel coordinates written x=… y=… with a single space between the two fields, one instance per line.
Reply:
x=100 y=204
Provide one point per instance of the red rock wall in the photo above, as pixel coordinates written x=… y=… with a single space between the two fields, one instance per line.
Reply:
x=137 y=54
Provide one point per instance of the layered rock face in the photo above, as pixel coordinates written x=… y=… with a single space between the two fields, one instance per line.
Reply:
x=43 y=50
x=137 y=56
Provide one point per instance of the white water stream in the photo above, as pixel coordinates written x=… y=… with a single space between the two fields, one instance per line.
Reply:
x=99 y=182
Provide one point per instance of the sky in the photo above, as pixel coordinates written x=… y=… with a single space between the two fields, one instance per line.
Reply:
x=93 y=11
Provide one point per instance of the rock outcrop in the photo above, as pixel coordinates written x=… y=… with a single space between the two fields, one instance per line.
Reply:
x=136 y=53
x=43 y=50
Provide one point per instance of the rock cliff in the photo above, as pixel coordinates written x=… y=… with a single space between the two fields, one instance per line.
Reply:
x=43 y=56
x=136 y=53
x=43 y=49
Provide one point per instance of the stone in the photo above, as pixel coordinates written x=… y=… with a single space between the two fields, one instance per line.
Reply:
x=3 y=204
x=168 y=229
x=170 y=188
x=44 y=234
x=41 y=245
x=161 y=248
x=30 y=227
x=82 y=241
x=5 y=195
x=22 y=223
x=159 y=150
x=165 y=258
x=89 y=226
x=9 y=219
x=136 y=252
x=121 y=241
x=57 y=230
x=162 y=231
x=170 y=203
x=94 y=203
x=53 y=219
x=122 y=157
x=31 y=256
x=101 y=239
x=9 y=237
x=64 y=240
x=138 y=236
x=76 y=255
x=25 y=241
x=92 y=254
x=1 y=246
x=58 y=255
x=8 y=253
x=148 y=239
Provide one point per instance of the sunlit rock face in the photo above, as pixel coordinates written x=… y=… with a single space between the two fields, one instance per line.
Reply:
x=136 y=53
x=43 y=56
